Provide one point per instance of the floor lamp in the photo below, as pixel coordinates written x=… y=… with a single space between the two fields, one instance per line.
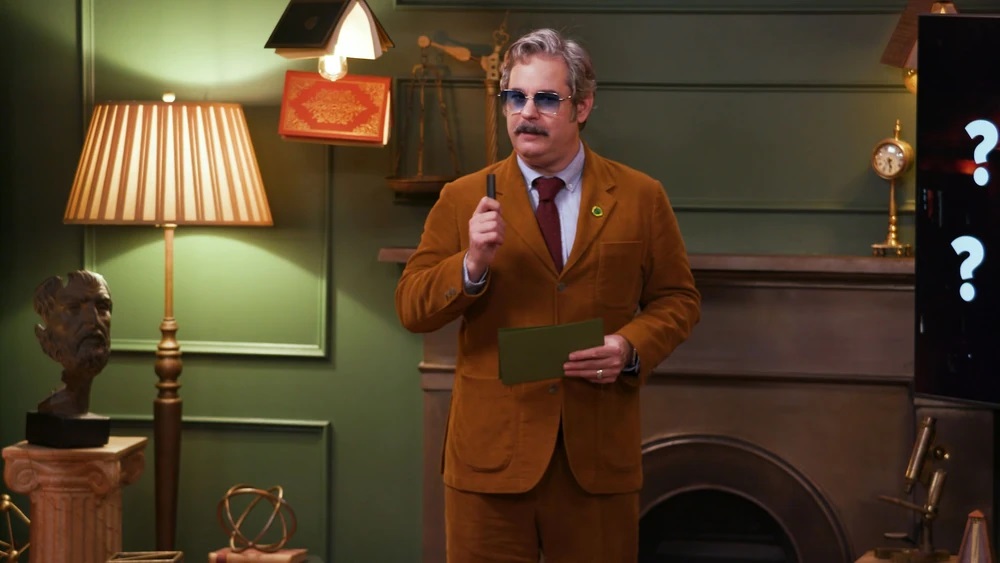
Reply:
x=168 y=164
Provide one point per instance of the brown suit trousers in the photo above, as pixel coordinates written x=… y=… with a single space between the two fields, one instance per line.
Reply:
x=556 y=519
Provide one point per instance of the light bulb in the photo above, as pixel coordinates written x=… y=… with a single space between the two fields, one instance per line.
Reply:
x=332 y=67
x=910 y=79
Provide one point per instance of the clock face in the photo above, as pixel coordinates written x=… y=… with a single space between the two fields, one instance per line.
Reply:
x=890 y=159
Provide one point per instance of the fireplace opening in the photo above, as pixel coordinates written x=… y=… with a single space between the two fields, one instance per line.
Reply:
x=712 y=526
x=719 y=499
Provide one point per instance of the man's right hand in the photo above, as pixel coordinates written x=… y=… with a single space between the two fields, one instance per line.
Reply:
x=486 y=228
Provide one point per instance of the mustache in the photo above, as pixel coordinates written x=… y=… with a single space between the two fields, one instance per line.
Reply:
x=530 y=129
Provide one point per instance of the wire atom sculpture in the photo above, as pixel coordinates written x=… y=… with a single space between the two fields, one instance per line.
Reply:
x=280 y=510
x=9 y=549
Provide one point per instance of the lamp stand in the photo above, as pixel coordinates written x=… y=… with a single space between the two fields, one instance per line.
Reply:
x=167 y=409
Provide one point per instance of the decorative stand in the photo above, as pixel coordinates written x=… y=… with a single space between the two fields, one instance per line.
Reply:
x=76 y=496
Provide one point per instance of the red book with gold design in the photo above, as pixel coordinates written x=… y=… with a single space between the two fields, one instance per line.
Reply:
x=354 y=110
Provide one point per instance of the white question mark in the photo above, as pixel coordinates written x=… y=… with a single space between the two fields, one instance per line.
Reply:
x=988 y=131
x=971 y=245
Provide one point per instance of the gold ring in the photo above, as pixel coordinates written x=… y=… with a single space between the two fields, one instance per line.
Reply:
x=600 y=374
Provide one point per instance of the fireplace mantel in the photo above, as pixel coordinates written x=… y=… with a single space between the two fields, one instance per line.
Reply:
x=836 y=317
x=801 y=266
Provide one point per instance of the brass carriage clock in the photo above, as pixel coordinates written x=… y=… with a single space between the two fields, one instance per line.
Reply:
x=891 y=159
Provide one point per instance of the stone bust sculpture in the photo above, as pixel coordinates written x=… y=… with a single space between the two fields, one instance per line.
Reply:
x=76 y=332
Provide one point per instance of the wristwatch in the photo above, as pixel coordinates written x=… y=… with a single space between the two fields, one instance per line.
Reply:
x=631 y=366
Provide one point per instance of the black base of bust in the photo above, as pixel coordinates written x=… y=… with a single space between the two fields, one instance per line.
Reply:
x=85 y=431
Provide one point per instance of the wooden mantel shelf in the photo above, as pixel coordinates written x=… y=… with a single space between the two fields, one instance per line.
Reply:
x=763 y=265
x=397 y=254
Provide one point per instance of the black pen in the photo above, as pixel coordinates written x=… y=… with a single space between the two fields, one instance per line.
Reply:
x=491 y=187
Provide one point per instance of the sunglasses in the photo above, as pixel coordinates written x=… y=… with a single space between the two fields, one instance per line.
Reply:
x=545 y=102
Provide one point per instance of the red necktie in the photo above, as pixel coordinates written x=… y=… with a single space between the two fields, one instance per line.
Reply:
x=548 y=216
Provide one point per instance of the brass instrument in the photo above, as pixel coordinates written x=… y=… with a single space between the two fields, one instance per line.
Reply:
x=919 y=470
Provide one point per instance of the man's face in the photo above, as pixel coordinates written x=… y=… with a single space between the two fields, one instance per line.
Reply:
x=545 y=142
x=81 y=325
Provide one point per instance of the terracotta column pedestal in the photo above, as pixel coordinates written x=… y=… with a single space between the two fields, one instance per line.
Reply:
x=76 y=496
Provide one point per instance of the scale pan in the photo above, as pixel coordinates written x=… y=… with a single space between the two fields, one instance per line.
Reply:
x=418 y=184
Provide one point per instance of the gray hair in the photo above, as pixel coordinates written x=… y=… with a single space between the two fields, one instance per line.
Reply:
x=549 y=43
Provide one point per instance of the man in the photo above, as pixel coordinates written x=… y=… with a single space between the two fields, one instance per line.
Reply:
x=77 y=334
x=551 y=467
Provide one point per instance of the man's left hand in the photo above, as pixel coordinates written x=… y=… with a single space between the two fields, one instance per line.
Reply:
x=601 y=364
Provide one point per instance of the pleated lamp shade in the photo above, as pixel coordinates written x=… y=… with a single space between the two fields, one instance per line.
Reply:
x=160 y=163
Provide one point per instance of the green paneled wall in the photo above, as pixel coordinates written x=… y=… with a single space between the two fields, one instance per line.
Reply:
x=759 y=117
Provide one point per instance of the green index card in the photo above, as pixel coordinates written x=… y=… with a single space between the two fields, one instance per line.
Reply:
x=539 y=352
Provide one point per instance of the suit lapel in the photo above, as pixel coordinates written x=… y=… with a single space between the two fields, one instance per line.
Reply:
x=596 y=206
x=518 y=215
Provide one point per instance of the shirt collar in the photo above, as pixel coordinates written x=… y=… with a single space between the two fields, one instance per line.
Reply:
x=572 y=174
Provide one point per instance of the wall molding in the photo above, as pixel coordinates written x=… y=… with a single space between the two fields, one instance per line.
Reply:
x=687 y=6
x=233 y=423
x=465 y=83
x=317 y=343
x=249 y=466
x=735 y=205
x=776 y=206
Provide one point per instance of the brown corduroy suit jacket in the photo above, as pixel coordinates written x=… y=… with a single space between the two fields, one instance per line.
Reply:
x=628 y=255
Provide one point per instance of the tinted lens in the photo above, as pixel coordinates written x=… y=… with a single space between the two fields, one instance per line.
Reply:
x=513 y=100
x=546 y=102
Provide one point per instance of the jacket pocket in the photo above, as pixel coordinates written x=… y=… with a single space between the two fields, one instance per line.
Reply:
x=619 y=429
x=619 y=275
x=482 y=423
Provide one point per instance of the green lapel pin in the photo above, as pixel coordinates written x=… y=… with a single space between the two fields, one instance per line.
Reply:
x=597 y=211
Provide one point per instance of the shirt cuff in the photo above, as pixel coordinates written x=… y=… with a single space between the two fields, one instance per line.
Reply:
x=472 y=287
x=633 y=367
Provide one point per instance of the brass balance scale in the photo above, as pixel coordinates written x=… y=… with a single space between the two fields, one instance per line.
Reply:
x=423 y=75
x=416 y=99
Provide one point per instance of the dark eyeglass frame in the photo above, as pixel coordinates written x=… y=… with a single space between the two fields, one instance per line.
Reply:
x=545 y=101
